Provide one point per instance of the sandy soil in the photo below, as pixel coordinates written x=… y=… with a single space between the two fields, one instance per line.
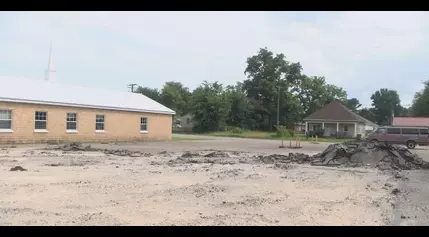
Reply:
x=91 y=188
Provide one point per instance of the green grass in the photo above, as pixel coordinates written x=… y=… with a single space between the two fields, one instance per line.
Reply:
x=270 y=135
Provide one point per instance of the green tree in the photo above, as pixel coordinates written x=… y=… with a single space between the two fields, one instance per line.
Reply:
x=386 y=104
x=314 y=93
x=368 y=113
x=154 y=94
x=420 y=106
x=209 y=107
x=240 y=108
x=353 y=104
x=268 y=77
x=176 y=97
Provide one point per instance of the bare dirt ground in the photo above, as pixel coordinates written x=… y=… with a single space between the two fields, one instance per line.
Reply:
x=153 y=188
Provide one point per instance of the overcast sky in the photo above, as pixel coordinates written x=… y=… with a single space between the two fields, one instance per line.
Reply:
x=360 y=51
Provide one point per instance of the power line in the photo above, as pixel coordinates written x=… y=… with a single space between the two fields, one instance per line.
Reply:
x=131 y=86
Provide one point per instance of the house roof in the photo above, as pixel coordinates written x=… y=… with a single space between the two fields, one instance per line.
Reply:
x=410 y=121
x=336 y=111
x=32 y=91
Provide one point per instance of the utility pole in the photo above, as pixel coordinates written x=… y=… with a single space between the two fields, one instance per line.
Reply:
x=278 y=107
x=131 y=86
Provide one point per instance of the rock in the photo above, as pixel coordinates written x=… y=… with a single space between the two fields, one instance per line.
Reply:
x=395 y=191
x=217 y=154
x=135 y=154
x=17 y=168
x=189 y=155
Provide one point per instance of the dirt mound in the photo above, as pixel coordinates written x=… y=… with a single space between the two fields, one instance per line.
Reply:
x=75 y=146
x=217 y=154
x=299 y=158
x=354 y=154
x=123 y=153
x=189 y=154
x=376 y=155
x=17 y=168
x=119 y=152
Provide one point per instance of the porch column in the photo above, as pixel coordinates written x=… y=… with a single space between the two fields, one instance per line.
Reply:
x=338 y=129
x=323 y=125
x=306 y=126
x=355 y=130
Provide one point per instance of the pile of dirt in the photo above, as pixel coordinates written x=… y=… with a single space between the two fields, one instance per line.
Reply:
x=189 y=154
x=123 y=153
x=120 y=152
x=75 y=146
x=376 y=155
x=17 y=168
x=354 y=154
x=298 y=158
x=217 y=154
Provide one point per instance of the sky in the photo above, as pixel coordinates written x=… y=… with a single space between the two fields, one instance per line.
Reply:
x=359 y=51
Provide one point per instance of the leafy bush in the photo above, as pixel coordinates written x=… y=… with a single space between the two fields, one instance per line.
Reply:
x=291 y=132
x=282 y=131
x=237 y=130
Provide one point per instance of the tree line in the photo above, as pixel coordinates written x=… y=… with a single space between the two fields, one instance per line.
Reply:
x=273 y=81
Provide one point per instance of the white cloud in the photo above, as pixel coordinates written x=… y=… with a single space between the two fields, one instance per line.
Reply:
x=116 y=48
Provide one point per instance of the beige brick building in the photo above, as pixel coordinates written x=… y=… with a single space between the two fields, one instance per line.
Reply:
x=33 y=111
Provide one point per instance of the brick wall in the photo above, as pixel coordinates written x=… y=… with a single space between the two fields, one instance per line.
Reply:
x=119 y=125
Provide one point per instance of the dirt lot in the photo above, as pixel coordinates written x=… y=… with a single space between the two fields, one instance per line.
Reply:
x=153 y=188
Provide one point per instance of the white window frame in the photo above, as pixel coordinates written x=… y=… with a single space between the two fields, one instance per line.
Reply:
x=67 y=122
x=2 y=130
x=146 y=124
x=46 y=121
x=104 y=123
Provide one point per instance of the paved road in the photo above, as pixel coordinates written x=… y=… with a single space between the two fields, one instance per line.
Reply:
x=249 y=144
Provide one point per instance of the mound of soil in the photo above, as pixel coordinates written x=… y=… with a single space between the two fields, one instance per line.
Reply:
x=217 y=154
x=189 y=155
x=120 y=152
x=376 y=155
x=75 y=146
x=17 y=168
x=354 y=154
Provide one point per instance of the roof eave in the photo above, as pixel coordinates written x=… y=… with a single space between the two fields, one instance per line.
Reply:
x=86 y=106
x=333 y=120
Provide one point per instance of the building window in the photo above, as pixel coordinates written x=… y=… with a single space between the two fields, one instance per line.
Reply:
x=5 y=119
x=41 y=119
x=410 y=131
x=71 y=121
x=143 y=124
x=346 y=128
x=188 y=121
x=99 y=122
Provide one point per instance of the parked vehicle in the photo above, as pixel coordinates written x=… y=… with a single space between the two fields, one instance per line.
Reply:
x=409 y=136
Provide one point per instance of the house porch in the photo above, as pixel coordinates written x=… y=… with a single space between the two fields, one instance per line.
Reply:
x=336 y=129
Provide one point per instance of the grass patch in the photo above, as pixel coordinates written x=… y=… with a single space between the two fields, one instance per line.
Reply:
x=271 y=135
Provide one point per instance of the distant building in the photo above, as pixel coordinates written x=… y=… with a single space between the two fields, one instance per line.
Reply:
x=300 y=127
x=45 y=110
x=336 y=120
x=410 y=122
x=184 y=124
